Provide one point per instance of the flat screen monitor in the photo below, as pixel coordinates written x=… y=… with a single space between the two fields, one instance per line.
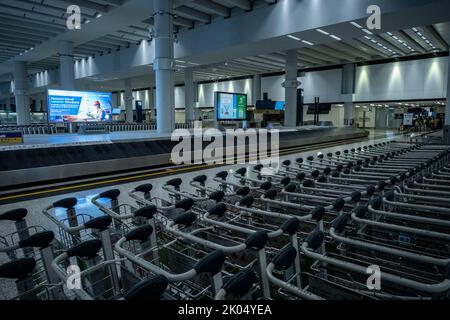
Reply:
x=79 y=106
x=231 y=106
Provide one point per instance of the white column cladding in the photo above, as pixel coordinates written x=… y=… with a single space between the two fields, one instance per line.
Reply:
x=447 y=109
x=256 y=94
x=189 y=95
x=291 y=84
x=21 y=93
x=129 y=101
x=348 y=90
x=164 y=65
x=66 y=65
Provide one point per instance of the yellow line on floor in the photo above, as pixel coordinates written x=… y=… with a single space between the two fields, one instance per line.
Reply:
x=129 y=178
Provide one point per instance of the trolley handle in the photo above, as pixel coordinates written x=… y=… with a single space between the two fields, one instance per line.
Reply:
x=15 y=215
x=256 y=241
x=315 y=240
x=283 y=261
x=39 y=240
x=211 y=263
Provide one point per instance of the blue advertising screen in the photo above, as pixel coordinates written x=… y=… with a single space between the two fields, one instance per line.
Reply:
x=79 y=106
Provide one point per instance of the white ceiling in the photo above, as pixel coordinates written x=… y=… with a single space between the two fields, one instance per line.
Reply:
x=25 y=24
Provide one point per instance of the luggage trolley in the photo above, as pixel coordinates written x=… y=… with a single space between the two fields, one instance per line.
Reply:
x=89 y=286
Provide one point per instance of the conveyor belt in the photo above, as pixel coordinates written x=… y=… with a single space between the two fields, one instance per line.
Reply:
x=30 y=166
x=46 y=190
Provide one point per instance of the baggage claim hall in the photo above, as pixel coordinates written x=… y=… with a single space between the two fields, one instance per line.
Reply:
x=234 y=150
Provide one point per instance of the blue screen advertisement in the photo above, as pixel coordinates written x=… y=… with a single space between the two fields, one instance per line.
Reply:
x=79 y=106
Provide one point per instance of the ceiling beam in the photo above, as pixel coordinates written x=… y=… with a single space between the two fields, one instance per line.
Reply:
x=88 y=5
x=318 y=55
x=335 y=53
x=192 y=14
x=243 y=4
x=345 y=47
x=210 y=7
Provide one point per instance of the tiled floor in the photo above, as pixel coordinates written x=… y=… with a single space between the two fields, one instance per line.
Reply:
x=35 y=207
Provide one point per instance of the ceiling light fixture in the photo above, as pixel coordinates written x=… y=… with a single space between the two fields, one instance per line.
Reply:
x=293 y=37
x=356 y=25
x=308 y=43
x=323 y=32
x=367 y=31
x=335 y=37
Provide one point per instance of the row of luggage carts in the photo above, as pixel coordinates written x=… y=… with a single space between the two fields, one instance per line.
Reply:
x=365 y=223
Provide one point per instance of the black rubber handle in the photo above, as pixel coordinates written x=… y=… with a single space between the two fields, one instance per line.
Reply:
x=318 y=213
x=241 y=283
x=144 y=188
x=315 y=240
x=265 y=186
x=301 y=176
x=38 y=240
x=246 y=201
x=257 y=241
x=15 y=215
x=217 y=196
x=186 y=219
x=241 y=171
x=291 y=226
x=285 y=181
x=100 y=223
x=174 y=182
x=212 y=263
x=218 y=210
x=185 y=204
x=88 y=249
x=285 y=258
x=19 y=269
x=271 y=194
x=200 y=179
x=141 y=233
x=222 y=175
x=243 y=191
x=147 y=212
x=361 y=211
x=110 y=194
x=149 y=289
x=340 y=223
x=286 y=163
x=68 y=203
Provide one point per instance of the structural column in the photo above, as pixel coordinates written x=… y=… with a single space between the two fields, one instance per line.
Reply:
x=164 y=65
x=348 y=89
x=189 y=94
x=290 y=87
x=256 y=93
x=128 y=101
x=66 y=65
x=21 y=93
x=447 y=109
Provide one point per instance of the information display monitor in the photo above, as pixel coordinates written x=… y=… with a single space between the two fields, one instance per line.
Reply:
x=231 y=106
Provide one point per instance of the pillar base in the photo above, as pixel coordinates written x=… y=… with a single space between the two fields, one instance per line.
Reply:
x=349 y=122
x=446 y=137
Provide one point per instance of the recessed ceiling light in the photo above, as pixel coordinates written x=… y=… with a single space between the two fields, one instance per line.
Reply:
x=335 y=37
x=98 y=15
x=308 y=43
x=293 y=37
x=323 y=32
x=367 y=31
x=356 y=25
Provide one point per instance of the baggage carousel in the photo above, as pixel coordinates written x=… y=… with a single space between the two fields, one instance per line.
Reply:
x=65 y=157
